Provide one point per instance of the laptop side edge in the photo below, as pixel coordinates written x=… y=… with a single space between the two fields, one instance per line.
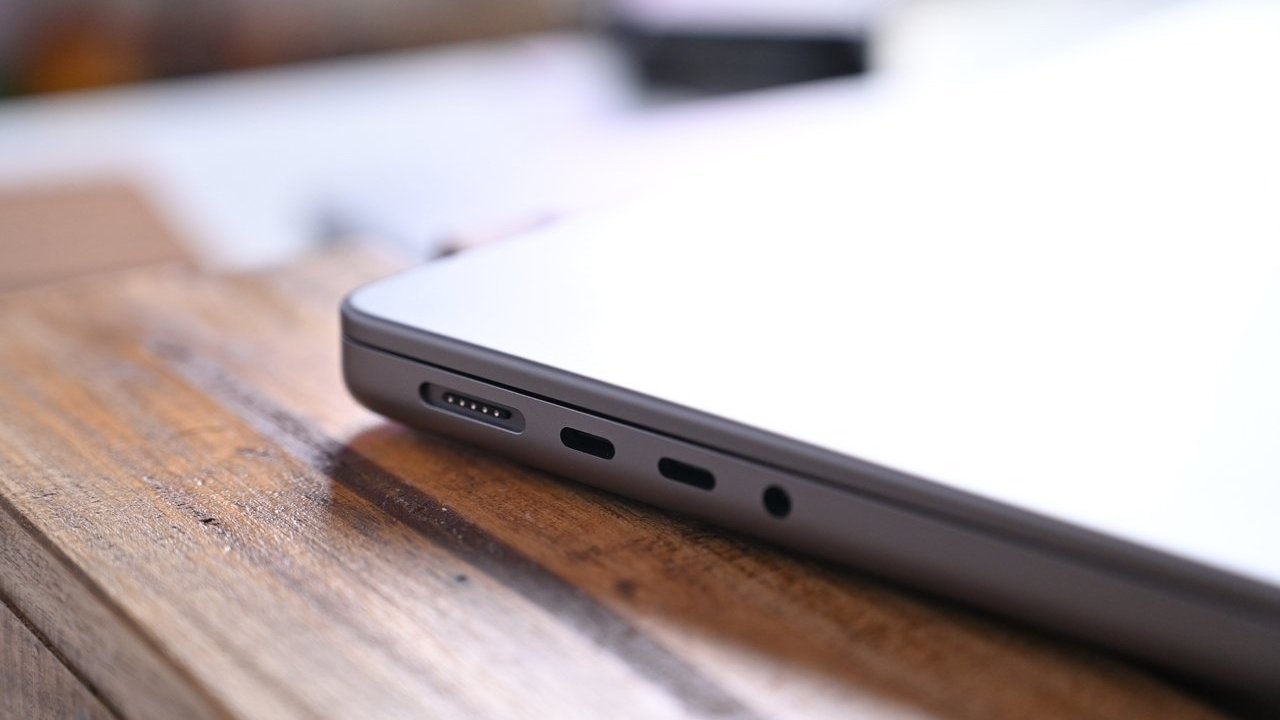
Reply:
x=1175 y=613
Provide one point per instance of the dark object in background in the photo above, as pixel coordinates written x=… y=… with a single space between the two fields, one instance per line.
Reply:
x=717 y=46
x=719 y=63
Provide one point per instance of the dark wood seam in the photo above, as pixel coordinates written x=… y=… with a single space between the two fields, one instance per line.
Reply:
x=57 y=556
x=40 y=637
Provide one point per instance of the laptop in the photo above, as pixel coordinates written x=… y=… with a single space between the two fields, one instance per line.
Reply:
x=1085 y=435
x=1029 y=364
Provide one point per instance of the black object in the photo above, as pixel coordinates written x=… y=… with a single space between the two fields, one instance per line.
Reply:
x=729 y=62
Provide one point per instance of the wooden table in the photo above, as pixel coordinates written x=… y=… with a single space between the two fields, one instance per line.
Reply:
x=196 y=521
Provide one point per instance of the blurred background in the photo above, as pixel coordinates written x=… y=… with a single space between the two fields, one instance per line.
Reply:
x=257 y=130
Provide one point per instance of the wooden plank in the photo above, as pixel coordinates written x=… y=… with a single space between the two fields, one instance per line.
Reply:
x=34 y=684
x=87 y=628
x=182 y=447
x=56 y=232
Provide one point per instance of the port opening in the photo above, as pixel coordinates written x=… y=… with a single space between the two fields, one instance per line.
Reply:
x=473 y=407
x=777 y=502
x=585 y=442
x=686 y=473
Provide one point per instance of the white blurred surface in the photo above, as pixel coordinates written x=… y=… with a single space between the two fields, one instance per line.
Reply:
x=249 y=166
x=423 y=148
x=942 y=42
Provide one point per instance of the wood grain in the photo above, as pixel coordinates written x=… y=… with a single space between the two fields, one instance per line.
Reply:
x=180 y=464
x=34 y=684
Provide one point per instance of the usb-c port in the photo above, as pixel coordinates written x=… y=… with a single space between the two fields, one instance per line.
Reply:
x=686 y=473
x=587 y=443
